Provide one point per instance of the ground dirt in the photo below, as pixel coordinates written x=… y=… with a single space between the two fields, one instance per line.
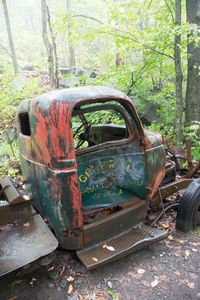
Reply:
x=165 y=270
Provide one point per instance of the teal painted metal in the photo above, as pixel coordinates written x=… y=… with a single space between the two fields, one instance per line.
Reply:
x=61 y=181
x=112 y=178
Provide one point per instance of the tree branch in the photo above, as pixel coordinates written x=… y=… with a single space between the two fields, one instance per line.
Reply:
x=170 y=11
x=149 y=4
x=140 y=73
x=134 y=40
x=83 y=16
x=172 y=3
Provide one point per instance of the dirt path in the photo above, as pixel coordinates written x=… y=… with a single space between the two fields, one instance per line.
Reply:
x=166 y=270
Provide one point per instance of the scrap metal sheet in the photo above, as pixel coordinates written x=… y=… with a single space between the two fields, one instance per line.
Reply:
x=23 y=243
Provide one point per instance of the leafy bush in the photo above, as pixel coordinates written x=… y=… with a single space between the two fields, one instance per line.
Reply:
x=193 y=133
x=13 y=89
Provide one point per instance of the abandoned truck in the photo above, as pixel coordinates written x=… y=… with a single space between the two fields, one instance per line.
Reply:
x=91 y=172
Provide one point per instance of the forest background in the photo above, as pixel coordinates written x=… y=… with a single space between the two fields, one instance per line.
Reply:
x=149 y=49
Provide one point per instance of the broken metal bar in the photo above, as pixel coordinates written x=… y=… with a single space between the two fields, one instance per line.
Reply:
x=192 y=172
x=171 y=188
x=10 y=192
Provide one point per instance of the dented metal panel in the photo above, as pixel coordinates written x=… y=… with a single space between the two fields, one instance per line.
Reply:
x=112 y=177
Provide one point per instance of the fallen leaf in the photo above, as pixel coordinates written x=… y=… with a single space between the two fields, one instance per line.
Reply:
x=177 y=273
x=181 y=241
x=50 y=269
x=141 y=271
x=15 y=282
x=134 y=276
x=152 y=267
x=154 y=283
x=170 y=237
x=32 y=281
x=177 y=254
x=70 y=279
x=145 y=283
x=112 y=294
x=62 y=271
x=108 y=247
x=163 y=278
x=123 y=279
x=79 y=274
x=187 y=253
x=95 y=259
x=26 y=224
x=70 y=289
x=191 y=285
x=5 y=227
x=194 y=244
x=177 y=247
x=111 y=248
x=13 y=298
x=165 y=225
x=164 y=287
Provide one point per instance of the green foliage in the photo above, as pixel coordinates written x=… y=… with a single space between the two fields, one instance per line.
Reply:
x=112 y=294
x=13 y=89
x=193 y=133
x=141 y=33
x=8 y=164
x=198 y=230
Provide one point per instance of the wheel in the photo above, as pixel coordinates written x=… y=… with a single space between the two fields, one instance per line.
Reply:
x=188 y=214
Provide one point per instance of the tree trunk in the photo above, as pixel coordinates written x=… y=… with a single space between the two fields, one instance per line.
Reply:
x=178 y=75
x=72 y=61
x=118 y=60
x=55 y=56
x=12 y=48
x=50 y=48
x=193 y=63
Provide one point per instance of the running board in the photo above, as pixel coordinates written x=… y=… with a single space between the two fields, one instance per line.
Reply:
x=120 y=246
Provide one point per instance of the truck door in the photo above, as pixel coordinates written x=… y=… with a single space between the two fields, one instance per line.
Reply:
x=111 y=161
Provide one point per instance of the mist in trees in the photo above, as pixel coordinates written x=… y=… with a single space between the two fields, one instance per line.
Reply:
x=148 y=49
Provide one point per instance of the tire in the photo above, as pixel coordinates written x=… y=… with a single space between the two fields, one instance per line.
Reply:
x=188 y=214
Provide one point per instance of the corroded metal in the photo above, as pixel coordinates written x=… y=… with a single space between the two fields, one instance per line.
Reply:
x=63 y=182
x=23 y=243
x=90 y=196
x=15 y=213
x=115 y=223
x=169 y=189
x=9 y=191
x=120 y=246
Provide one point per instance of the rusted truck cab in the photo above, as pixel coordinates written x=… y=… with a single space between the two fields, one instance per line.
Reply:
x=90 y=169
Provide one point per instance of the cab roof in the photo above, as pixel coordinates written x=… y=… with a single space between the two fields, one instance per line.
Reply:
x=88 y=92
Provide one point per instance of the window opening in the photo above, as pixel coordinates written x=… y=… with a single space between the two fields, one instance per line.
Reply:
x=96 y=124
x=24 y=124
